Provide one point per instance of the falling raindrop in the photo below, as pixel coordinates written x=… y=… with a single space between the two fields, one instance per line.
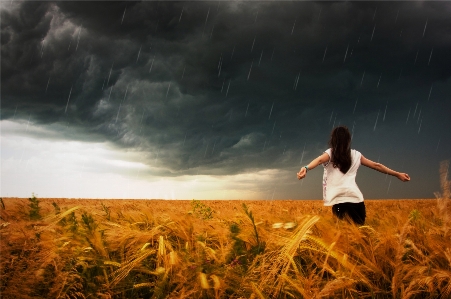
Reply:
x=389 y=183
x=151 y=64
x=374 y=129
x=111 y=89
x=28 y=123
x=383 y=119
x=256 y=15
x=118 y=114
x=156 y=157
x=292 y=29
x=419 y=114
x=70 y=92
x=211 y=34
x=437 y=145
x=296 y=80
x=78 y=38
x=47 y=85
x=373 y=33
x=430 y=56
x=126 y=90
x=352 y=134
x=42 y=49
x=220 y=66
x=374 y=13
x=319 y=13
x=214 y=144
x=139 y=52
x=227 y=92
x=346 y=53
x=181 y=13
x=354 y=106
x=408 y=114
x=260 y=60
x=220 y=61
x=184 y=140
x=330 y=119
x=420 y=126
x=397 y=16
x=273 y=128
x=271 y=110
x=14 y=116
x=103 y=85
x=123 y=15
x=400 y=73
x=233 y=51
x=142 y=116
x=379 y=80
x=183 y=74
x=361 y=82
x=110 y=74
x=416 y=56
x=415 y=111
x=425 y=27
x=264 y=146
x=252 y=48
x=222 y=85
x=302 y=157
x=246 y=109
x=284 y=150
x=169 y=86
x=206 y=151
x=430 y=92
x=333 y=125
x=248 y=75
x=324 y=54
x=206 y=19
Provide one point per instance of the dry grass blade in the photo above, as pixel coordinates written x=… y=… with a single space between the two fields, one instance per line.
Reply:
x=337 y=284
x=297 y=285
x=282 y=260
x=203 y=281
x=54 y=219
x=128 y=266
x=257 y=291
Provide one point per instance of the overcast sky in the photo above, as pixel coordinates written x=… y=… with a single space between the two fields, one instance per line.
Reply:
x=220 y=99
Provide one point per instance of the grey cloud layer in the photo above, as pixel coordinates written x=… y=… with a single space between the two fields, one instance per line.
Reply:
x=228 y=87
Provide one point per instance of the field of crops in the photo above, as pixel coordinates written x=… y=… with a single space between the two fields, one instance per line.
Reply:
x=73 y=248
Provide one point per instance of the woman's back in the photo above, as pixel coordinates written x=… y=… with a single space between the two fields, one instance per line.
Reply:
x=339 y=187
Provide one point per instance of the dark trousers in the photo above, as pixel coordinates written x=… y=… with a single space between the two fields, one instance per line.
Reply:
x=354 y=211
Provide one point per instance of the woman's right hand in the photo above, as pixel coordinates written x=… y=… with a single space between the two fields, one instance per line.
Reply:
x=403 y=176
x=301 y=173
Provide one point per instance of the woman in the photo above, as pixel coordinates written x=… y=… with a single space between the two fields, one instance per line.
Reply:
x=340 y=168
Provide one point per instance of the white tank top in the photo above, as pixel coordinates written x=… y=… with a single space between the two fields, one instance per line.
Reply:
x=339 y=187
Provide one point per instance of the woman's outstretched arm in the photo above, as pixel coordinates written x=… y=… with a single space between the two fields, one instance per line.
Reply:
x=384 y=169
x=320 y=160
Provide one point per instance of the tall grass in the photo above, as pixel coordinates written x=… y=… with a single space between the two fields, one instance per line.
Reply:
x=167 y=249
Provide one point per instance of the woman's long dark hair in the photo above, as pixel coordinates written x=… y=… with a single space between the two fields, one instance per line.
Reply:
x=340 y=142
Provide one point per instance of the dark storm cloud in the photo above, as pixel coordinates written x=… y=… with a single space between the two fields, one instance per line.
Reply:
x=228 y=87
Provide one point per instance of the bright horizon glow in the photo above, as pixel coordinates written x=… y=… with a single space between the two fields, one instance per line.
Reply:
x=57 y=168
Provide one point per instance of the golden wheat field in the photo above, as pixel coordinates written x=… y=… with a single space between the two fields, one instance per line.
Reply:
x=82 y=248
